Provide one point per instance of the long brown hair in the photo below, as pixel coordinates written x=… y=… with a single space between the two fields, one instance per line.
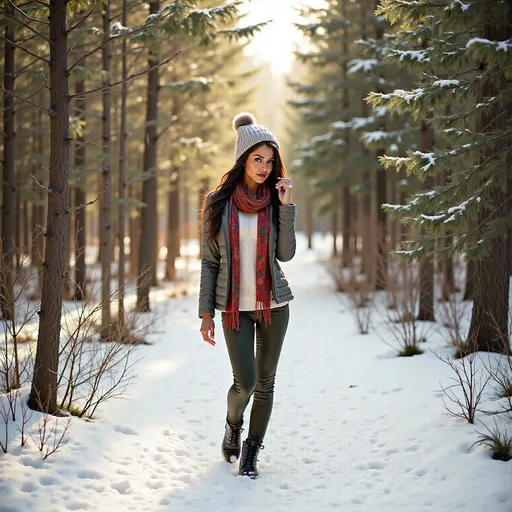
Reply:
x=228 y=183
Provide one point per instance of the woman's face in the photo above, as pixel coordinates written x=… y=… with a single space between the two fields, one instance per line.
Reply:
x=258 y=167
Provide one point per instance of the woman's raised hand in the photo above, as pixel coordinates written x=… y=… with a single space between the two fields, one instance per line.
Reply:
x=208 y=329
x=284 y=189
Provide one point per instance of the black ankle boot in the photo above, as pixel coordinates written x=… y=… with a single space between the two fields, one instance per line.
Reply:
x=249 y=459
x=231 y=442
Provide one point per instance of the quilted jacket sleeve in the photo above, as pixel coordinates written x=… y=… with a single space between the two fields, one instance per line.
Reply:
x=210 y=263
x=286 y=243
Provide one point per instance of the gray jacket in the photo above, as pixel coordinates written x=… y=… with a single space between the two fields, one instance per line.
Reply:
x=216 y=261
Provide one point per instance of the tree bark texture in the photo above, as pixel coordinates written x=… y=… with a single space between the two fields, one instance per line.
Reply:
x=122 y=173
x=9 y=184
x=489 y=319
x=43 y=395
x=173 y=227
x=309 y=221
x=106 y=199
x=149 y=192
x=347 y=225
x=80 y=198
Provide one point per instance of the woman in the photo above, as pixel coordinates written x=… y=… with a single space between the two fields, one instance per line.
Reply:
x=248 y=224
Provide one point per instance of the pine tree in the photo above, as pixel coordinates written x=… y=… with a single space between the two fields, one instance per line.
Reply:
x=464 y=64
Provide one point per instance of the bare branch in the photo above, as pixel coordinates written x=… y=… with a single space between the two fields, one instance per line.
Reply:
x=131 y=77
x=80 y=206
x=87 y=143
x=20 y=71
x=46 y=189
x=24 y=99
x=25 y=50
x=24 y=14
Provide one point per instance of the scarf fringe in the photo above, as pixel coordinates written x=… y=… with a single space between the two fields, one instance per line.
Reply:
x=263 y=313
x=232 y=320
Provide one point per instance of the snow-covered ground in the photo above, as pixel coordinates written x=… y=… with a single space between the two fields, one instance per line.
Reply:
x=353 y=428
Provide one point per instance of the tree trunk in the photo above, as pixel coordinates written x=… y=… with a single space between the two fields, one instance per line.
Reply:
x=489 y=319
x=149 y=193
x=469 y=288
x=347 y=227
x=122 y=173
x=106 y=200
x=381 y=238
x=80 y=198
x=9 y=185
x=173 y=227
x=309 y=221
x=43 y=395
x=17 y=228
x=334 y=227
x=426 y=306
x=381 y=198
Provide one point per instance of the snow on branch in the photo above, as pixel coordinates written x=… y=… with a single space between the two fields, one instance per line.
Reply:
x=429 y=157
x=365 y=65
x=446 y=83
x=458 y=3
x=411 y=55
x=407 y=96
x=486 y=43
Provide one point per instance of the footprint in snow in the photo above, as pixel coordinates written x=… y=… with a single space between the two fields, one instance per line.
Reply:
x=48 y=480
x=125 y=430
x=86 y=473
x=28 y=487
x=122 y=487
x=78 y=506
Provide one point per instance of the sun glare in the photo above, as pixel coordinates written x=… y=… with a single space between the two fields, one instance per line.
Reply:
x=276 y=42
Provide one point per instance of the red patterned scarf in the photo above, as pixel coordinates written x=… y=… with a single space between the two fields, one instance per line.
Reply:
x=243 y=202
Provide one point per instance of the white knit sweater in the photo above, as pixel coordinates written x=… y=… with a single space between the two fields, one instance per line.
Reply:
x=248 y=238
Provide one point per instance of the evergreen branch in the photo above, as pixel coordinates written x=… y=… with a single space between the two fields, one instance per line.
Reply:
x=129 y=78
x=111 y=38
x=26 y=15
x=25 y=50
x=25 y=99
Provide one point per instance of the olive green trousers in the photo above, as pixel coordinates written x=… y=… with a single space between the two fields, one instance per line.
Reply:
x=254 y=373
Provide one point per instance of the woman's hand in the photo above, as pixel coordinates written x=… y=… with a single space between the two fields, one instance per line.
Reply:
x=208 y=329
x=284 y=189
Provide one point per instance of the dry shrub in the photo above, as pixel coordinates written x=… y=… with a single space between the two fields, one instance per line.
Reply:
x=452 y=310
x=400 y=311
x=359 y=293
x=500 y=373
x=18 y=316
x=93 y=370
x=468 y=381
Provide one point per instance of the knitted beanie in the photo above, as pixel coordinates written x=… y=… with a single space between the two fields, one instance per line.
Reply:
x=249 y=133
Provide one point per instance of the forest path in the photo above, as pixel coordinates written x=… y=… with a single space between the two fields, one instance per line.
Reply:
x=353 y=428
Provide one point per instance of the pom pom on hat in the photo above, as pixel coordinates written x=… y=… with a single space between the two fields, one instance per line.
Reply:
x=251 y=135
x=243 y=119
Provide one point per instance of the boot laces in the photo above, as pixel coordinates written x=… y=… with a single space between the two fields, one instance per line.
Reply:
x=252 y=451
x=234 y=434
